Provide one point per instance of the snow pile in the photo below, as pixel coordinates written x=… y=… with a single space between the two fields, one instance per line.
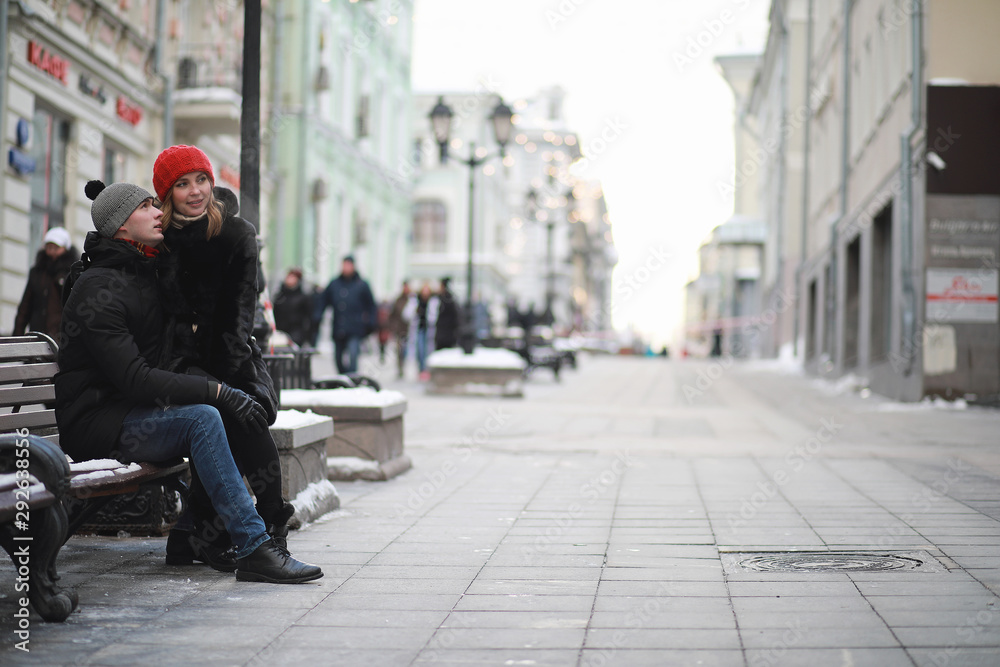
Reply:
x=936 y=403
x=364 y=397
x=103 y=464
x=481 y=357
x=291 y=419
x=313 y=498
x=349 y=468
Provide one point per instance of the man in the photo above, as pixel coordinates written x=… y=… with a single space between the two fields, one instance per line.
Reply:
x=399 y=325
x=41 y=306
x=355 y=314
x=112 y=402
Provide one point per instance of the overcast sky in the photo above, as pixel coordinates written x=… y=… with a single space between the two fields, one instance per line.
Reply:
x=642 y=67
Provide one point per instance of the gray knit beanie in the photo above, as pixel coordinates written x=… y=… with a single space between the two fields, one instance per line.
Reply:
x=113 y=204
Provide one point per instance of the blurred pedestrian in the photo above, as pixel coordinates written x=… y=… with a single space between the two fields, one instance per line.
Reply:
x=41 y=305
x=354 y=314
x=446 y=327
x=293 y=308
x=384 y=333
x=422 y=314
x=399 y=325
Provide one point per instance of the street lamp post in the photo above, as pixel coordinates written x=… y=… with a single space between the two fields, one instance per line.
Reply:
x=440 y=117
x=550 y=225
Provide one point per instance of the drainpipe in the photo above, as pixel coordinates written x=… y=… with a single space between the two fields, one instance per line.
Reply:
x=804 y=231
x=906 y=187
x=781 y=218
x=845 y=172
x=168 y=82
x=304 y=256
x=277 y=119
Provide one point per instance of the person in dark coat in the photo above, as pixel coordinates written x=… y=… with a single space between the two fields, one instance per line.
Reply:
x=293 y=309
x=399 y=325
x=209 y=277
x=111 y=400
x=41 y=305
x=447 y=325
x=355 y=314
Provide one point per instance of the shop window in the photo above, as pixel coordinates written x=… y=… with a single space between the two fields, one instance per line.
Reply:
x=50 y=135
x=430 y=226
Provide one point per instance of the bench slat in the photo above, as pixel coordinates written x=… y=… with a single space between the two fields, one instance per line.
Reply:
x=11 y=396
x=22 y=372
x=28 y=420
x=120 y=483
x=38 y=497
x=31 y=349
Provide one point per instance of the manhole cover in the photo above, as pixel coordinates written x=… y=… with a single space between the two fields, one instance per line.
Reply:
x=831 y=561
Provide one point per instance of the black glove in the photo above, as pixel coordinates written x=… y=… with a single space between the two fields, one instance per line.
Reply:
x=240 y=405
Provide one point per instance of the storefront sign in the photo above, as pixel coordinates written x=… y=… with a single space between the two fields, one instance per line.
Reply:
x=229 y=175
x=19 y=162
x=128 y=111
x=962 y=295
x=53 y=65
x=91 y=89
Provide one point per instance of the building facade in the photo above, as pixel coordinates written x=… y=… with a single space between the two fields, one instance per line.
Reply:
x=888 y=131
x=81 y=97
x=342 y=149
x=721 y=302
x=447 y=192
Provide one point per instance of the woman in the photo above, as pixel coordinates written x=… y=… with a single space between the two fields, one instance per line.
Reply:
x=210 y=288
x=421 y=312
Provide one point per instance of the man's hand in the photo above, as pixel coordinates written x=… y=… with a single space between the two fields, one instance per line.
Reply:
x=241 y=405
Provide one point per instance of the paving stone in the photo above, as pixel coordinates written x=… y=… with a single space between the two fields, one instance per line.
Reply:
x=513 y=559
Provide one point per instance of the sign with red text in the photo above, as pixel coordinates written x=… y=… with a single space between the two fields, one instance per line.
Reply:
x=51 y=64
x=962 y=295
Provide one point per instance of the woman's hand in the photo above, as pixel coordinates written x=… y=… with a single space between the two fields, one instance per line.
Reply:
x=240 y=405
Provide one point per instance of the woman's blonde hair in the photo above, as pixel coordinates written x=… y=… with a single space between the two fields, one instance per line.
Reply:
x=214 y=211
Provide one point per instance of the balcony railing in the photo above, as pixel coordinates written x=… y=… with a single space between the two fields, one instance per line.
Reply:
x=210 y=66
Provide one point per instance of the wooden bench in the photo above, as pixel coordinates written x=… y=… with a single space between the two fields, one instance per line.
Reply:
x=27 y=393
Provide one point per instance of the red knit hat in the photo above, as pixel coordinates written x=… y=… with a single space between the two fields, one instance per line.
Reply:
x=176 y=161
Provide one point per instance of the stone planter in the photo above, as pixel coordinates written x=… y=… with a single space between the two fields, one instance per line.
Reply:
x=485 y=372
x=368 y=443
x=302 y=439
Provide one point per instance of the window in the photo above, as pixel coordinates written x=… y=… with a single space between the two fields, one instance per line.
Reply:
x=48 y=182
x=430 y=226
x=114 y=164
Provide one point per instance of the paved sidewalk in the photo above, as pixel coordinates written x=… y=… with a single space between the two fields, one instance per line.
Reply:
x=600 y=521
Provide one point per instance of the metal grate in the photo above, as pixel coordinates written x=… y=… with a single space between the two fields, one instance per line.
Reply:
x=833 y=561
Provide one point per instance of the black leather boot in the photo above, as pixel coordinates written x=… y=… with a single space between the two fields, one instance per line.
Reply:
x=184 y=548
x=277 y=524
x=273 y=564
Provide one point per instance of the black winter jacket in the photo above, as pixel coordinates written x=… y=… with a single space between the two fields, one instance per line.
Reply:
x=446 y=329
x=41 y=306
x=110 y=345
x=210 y=291
x=293 y=313
x=354 y=309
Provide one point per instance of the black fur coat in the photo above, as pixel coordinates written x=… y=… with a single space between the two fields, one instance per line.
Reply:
x=210 y=293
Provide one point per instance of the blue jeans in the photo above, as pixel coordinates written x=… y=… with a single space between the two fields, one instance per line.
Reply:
x=421 y=344
x=156 y=434
x=351 y=345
